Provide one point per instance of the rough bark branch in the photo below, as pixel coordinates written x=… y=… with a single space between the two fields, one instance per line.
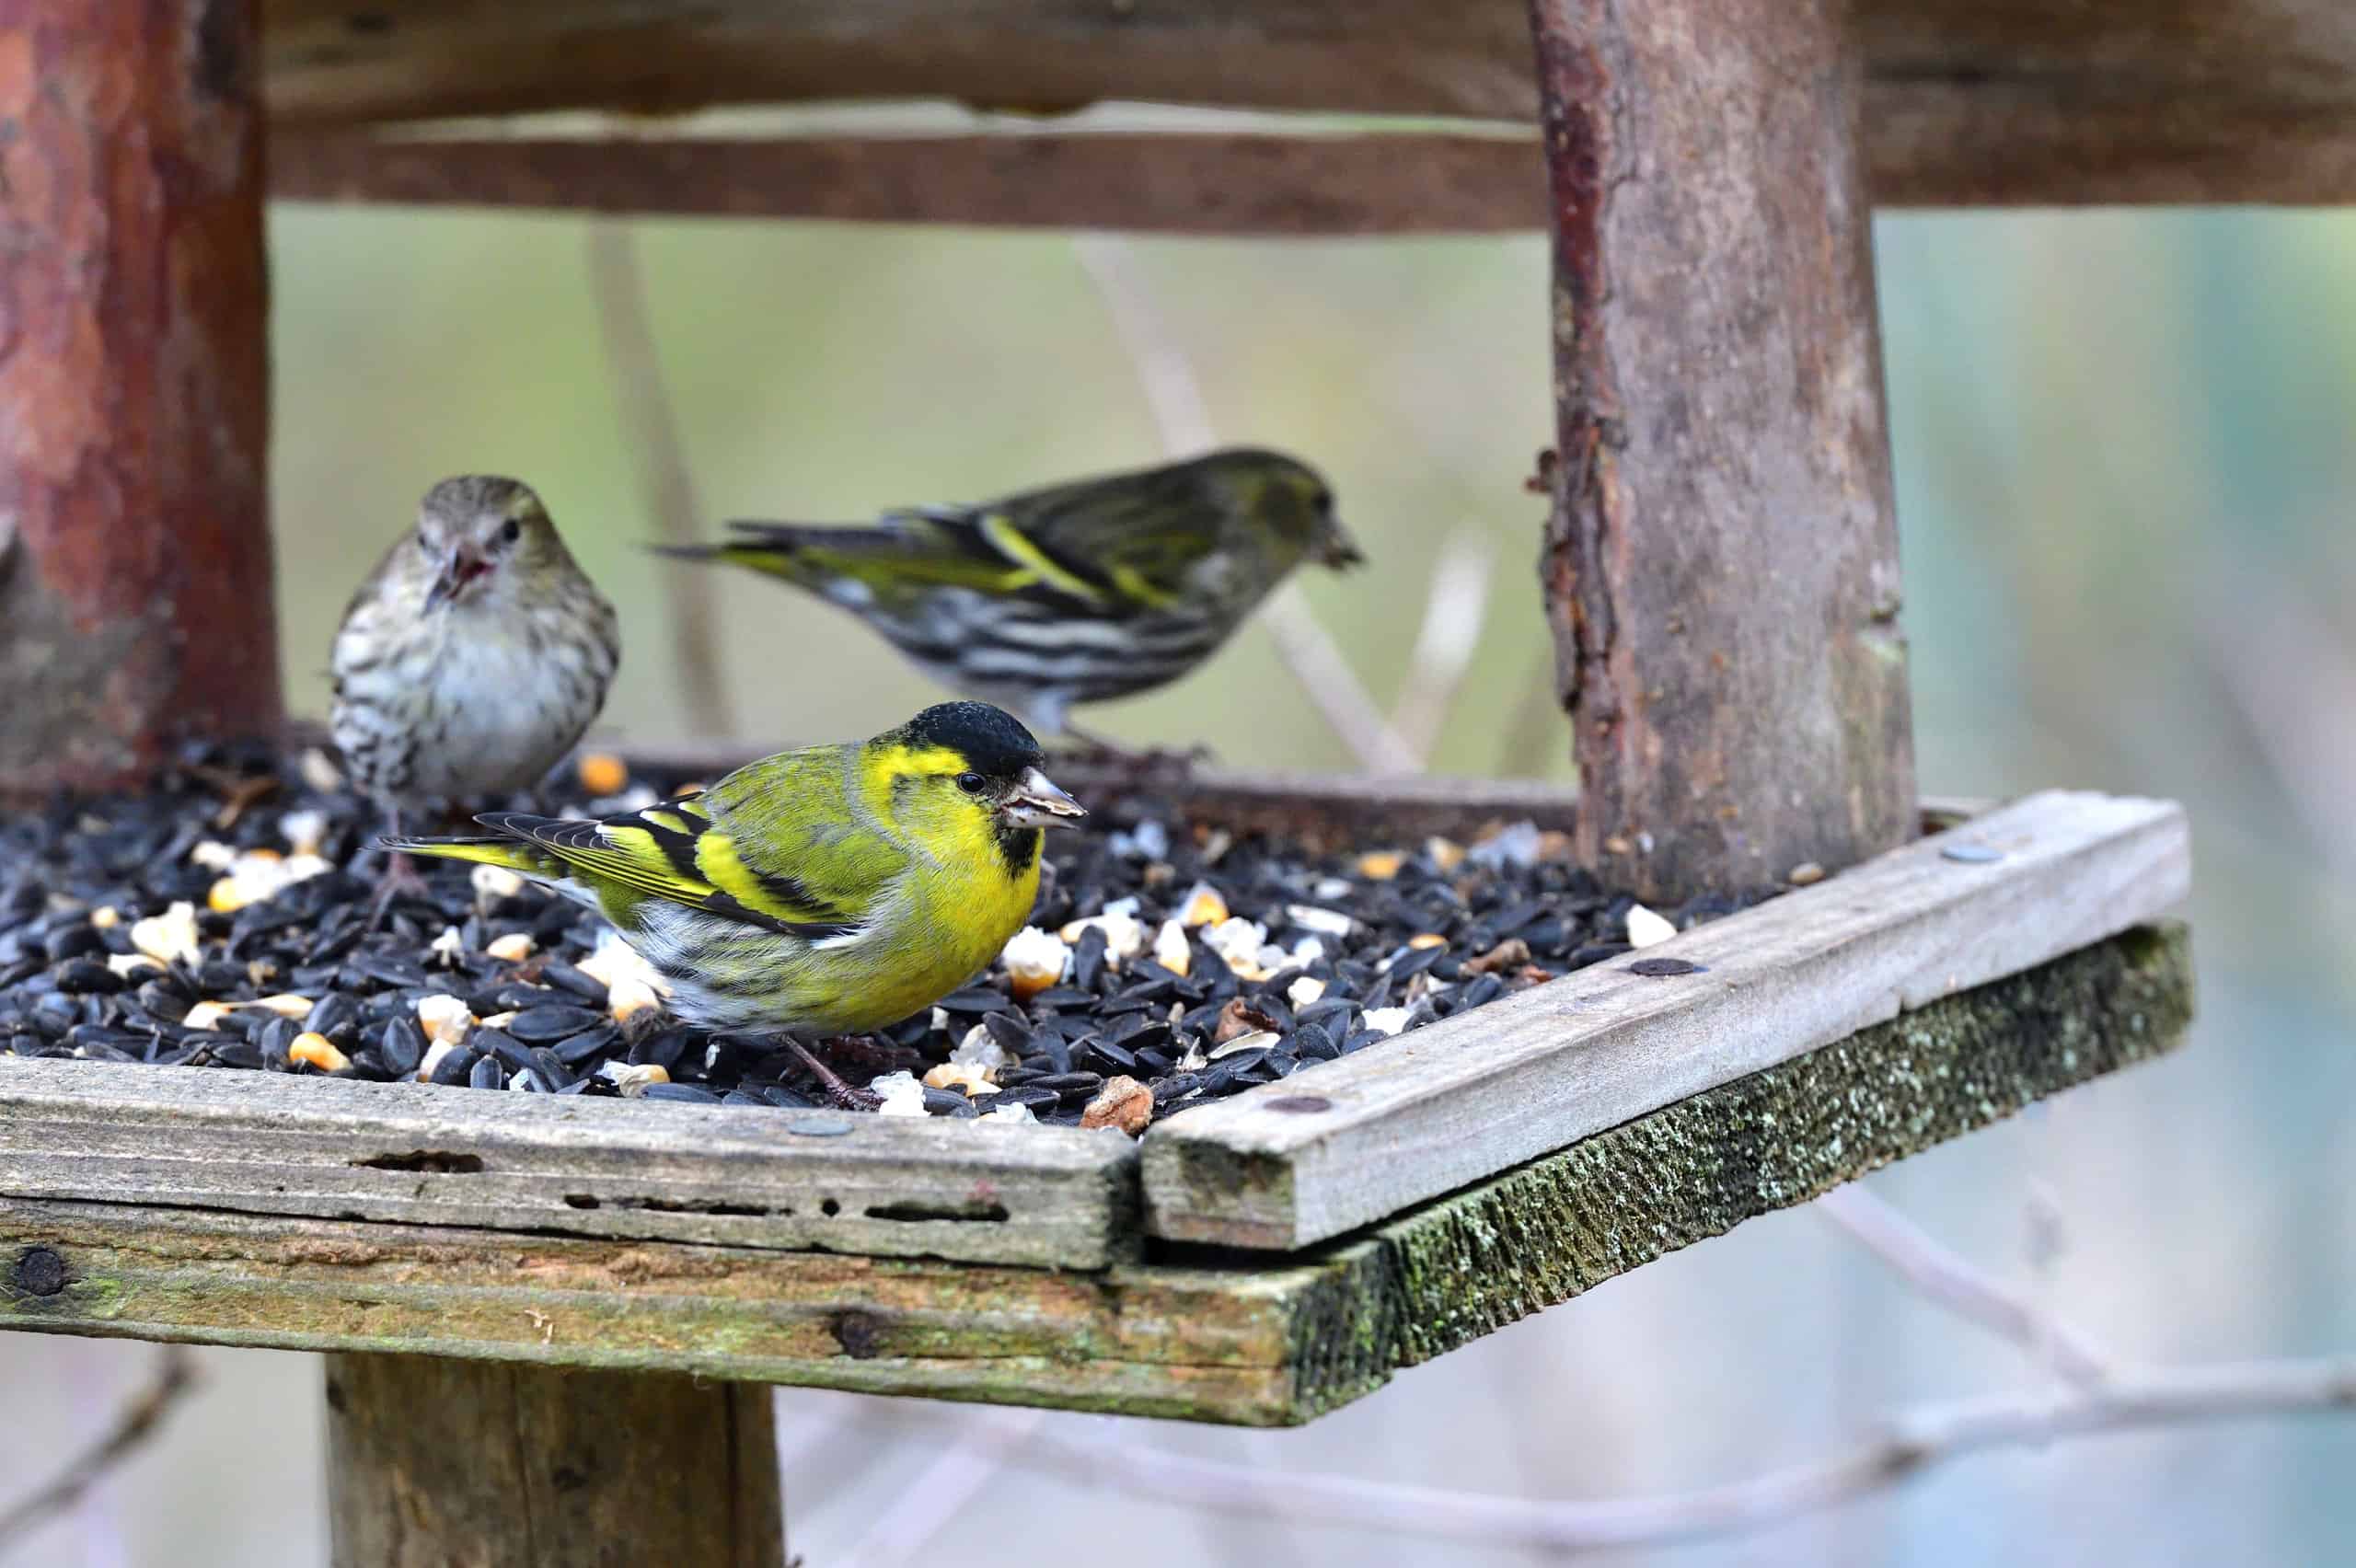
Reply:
x=140 y=1418
x=135 y=597
x=1721 y=564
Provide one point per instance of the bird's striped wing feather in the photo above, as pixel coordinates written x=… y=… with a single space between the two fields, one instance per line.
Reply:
x=673 y=851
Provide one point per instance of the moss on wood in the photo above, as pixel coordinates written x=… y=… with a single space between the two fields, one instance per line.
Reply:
x=1468 y=1264
x=1190 y=1336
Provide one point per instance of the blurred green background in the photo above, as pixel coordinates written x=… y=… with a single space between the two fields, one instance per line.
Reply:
x=2125 y=470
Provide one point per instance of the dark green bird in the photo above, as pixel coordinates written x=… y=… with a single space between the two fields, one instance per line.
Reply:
x=1080 y=593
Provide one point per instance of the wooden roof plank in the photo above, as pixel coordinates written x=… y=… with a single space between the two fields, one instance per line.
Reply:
x=1347 y=1143
x=1215 y=184
x=1967 y=101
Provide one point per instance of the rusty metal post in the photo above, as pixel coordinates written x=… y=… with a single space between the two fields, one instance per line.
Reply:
x=134 y=554
x=1721 y=565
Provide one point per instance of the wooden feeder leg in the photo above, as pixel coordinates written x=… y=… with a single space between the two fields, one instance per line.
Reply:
x=1721 y=565
x=433 y=1462
x=134 y=556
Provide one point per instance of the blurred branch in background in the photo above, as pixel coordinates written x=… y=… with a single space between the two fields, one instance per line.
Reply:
x=174 y=1376
x=2292 y=678
x=1535 y=735
x=1953 y=1282
x=1453 y=619
x=946 y=1486
x=617 y=286
x=1176 y=398
x=2096 y=1400
x=1915 y=1442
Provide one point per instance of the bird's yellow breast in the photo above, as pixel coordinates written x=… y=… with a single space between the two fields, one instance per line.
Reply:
x=955 y=916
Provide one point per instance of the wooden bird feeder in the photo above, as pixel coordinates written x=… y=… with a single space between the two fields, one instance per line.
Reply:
x=514 y=1290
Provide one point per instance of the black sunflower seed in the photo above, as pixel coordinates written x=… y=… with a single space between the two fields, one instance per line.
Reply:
x=76 y=940
x=332 y=1014
x=693 y=1094
x=1312 y=1043
x=1111 y=1057
x=549 y=1023
x=85 y=977
x=1008 y=1030
x=1484 y=989
x=401 y=1044
x=565 y=978
x=600 y=1039
x=1088 y=959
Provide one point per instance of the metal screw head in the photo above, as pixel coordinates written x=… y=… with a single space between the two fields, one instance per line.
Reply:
x=1972 y=854
x=819 y=1128
x=1301 y=1104
x=40 y=1272
x=1662 y=968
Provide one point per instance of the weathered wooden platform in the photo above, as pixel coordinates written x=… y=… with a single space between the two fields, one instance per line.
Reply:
x=1204 y=1336
x=1363 y=1214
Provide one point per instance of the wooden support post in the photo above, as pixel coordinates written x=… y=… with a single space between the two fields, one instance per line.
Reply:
x=1721 y=565
x=134 y=556
x=433 y=1462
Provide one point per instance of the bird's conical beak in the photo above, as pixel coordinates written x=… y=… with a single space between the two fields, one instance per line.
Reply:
x=1341 y=551
x=1036 y=803
x=463 y=567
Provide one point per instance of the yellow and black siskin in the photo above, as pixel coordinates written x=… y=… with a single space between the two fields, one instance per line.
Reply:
x=828 y=890
x=1080 y=593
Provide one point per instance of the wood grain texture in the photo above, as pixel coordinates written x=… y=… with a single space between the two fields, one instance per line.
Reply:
x=424 y=59
x=1966 y=102
x=1457 y=1101
x=134 y=553
x=1475 y=1262
x=1324 y=810
x=1201 y=1344
x=433 y=1462
x=1198 y=1336
x=1720 y=566
x=423 y=1154
x=1191 y=184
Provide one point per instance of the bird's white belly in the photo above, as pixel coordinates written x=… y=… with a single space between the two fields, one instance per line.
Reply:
x=497 y=718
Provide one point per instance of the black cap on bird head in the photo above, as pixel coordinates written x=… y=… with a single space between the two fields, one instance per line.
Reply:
x=1003 y=764
x=991 y=740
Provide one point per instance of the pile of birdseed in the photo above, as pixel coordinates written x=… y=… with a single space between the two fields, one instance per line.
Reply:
x=221 y=920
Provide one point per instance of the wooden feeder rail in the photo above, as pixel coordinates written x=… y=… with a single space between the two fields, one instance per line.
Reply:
x=1859 y=1020
x=1280 y=1167
x=1471 y=1095
x=1270 y=1341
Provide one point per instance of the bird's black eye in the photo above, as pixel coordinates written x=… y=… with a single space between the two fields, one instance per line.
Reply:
x=972 y=783
x=1323 y=503
x=513 y=531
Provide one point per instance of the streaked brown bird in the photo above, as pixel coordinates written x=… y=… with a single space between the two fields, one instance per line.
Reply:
x=472 y=659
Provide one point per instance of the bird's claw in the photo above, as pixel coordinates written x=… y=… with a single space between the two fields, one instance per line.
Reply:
x=844 y=1096
x=401 y=878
